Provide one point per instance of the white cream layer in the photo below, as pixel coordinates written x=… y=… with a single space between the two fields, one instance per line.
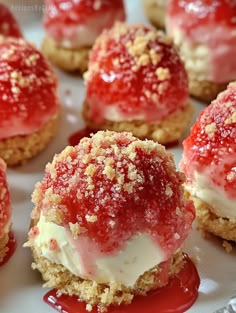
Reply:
x=220 y=203
x=83 y=35
x=83 y=258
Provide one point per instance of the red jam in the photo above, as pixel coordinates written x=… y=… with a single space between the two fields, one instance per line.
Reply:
x=204 y=12
x=178 y=296
x=134 y=73
x=8 y=23
x=29 y=88
x=211 y=146
x=11 y=248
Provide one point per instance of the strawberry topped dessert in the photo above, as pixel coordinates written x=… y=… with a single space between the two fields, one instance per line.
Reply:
x=209 y=163
x=205 y=32
x=136 y=82
x=72 y=27
x=5 y=213
x=8 y=24
x=99 y=206
x=29 y=106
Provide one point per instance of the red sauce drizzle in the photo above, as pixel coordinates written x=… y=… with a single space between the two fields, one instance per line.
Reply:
x=11 y=248
x=75 y=138
x=178 y=296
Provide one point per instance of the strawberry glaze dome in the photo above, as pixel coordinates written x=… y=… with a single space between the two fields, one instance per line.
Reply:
x=29 y=105
x=72 y=27
x=8 y=24
x=136 y=82
x=205 y=33
x=209 y=163
x=98 y=206
x=5 y=212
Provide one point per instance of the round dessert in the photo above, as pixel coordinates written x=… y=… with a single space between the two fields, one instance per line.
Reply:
x=29 y=106
x=155 y=11
x=99 y=206
x=8 y=24
x=5 y=212
x=205 y=33
x=209 y=163
x=72 y=27
x=136 y=82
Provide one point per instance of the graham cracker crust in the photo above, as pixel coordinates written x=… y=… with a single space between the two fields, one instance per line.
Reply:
x=155 y=13
x=167 y=131
x=70 y=60
x=18 y=149
x=209 y=222
x=95 y=294
x=3 y=246
x=204 y=90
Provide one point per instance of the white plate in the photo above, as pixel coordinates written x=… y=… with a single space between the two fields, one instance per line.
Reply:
x=20 y=287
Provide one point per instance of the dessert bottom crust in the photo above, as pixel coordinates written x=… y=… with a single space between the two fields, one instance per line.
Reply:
x=16 y=150
x=166 y=131
x=57 y=276
x=204 y=90
x=155 y=13
x=3 y=246
x=209 y=222
x=66 y=59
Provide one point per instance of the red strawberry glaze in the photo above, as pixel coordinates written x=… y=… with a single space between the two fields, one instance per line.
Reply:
x=8 y=23
x=135 y=71
x=5 y=203
x=211 y=147
x=62 y=18
x=210 y=24
x=204 y=12
x=178 y=296
x=124 y=184
x=28 y=89
x=11 y=246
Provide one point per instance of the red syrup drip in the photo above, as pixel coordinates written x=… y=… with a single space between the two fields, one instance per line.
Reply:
x=75 y=138
x=11 y=248
x=177 y=297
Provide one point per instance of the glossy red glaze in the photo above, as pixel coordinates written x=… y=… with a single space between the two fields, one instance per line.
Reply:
x=8 y=24
x=75 y=138
x=123 y=76
x=155 y=205
x=11 y=248
x=178 y=296
x=211 y=146
x=204 y=12
x=28 y=88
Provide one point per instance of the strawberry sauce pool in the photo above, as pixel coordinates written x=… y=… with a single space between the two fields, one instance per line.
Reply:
x=177 y=297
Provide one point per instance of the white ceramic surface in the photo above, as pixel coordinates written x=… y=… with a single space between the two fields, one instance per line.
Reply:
x=20 y=287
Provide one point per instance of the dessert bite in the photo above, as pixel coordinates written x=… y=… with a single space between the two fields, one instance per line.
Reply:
x=71 y=29
x=5 y=213
x=98 y=207
x=136 y=82
x=8 y=24
x=209 y=163
x=205 y=33
x=29 y=105
x=155 y=11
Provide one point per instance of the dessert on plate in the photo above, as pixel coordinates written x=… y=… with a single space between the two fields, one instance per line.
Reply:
x=72 y=27
x=136 y=82
x=29 y=105
x=8 y=24
x=5 y=213
x=209 y=163
x=155 y=11
x=100 y=205
x=205 y=33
